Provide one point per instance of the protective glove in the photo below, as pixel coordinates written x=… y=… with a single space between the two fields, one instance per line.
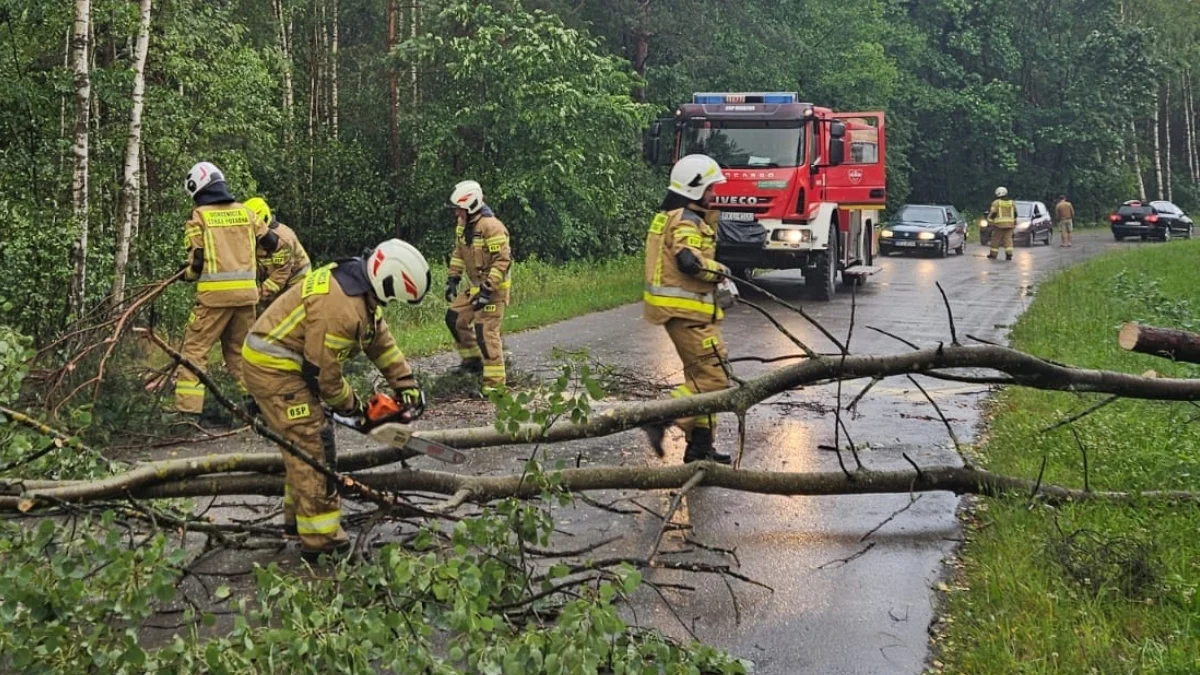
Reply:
x=483 y=299
x=727 y=294
x=251 y=407
x=451 y=288
x=412 y=403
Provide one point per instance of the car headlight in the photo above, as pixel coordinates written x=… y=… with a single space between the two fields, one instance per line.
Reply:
x=926 y=236
x=1023 y=225
x=982 y=223
x=886 y=234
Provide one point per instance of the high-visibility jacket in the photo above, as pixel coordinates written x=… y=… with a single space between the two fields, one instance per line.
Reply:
x=285 y=267
x=1003 y=213
x=670 y=292
x=225 y=237
x=313 y=328
x=481 y=249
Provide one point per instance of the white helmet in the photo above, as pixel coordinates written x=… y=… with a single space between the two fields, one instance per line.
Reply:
x=467 y=195
x=692 y=175
x=201 y=176
x=1001 y=191
x=398 y=270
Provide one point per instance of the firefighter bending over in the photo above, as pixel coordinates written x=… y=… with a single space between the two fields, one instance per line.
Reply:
x=1003 y=216
x=221 y=239
x=680 y=294
x=481 y=250
x=284 y=268
x=294 y=359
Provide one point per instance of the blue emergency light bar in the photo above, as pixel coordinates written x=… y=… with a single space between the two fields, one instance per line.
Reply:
x=756 y=97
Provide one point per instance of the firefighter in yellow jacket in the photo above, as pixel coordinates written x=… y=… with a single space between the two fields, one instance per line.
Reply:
x=481 y=250
x=294 y=369
x=680 y=294
x=1003 y=216
x=284 y=268
x=221 y=238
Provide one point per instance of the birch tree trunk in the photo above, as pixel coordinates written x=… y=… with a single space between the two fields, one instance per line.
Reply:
x=393 y=89
x=1189 y=111
x=80 y=53
x=414 y=18
x=1158 y=170
x=1135 y=159
x=133 y=146
x=285 y=46
x=1167 y=138
x=333 y=71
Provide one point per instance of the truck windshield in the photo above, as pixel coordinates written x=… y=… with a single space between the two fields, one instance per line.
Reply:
x=745 y=144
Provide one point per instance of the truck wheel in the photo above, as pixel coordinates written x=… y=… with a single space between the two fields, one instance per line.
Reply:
x=824 y=278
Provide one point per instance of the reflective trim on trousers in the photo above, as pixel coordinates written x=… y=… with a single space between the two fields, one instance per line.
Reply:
x=322 y=523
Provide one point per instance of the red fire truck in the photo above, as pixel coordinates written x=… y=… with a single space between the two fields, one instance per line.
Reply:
x=805 y=184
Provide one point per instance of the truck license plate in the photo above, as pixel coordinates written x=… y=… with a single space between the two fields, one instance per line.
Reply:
x=905 y=243
x=738 y=216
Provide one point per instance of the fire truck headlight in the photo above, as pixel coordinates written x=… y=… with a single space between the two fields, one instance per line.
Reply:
x=886 y=234
x=793 y=236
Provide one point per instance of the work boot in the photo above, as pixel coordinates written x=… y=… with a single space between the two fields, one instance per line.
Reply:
x=332 y=555
x=992 y=255
x=469 y=367
x=1008 y=255
x=656 y=433
x=700 y=448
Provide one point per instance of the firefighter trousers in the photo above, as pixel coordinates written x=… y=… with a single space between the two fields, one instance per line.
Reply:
x=1002 y=237
x=702 y=351
x=310 y=500
x=477 y=336
x=205 y=326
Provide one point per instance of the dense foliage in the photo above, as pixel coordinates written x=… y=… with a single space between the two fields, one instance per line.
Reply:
x=356 y=116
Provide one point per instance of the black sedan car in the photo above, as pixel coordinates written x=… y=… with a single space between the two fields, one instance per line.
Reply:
x=1155 y=220
x=1033 y=225
x=935 y=228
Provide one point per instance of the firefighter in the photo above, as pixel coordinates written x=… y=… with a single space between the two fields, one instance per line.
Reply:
x=289 y=263
x=680 y=294
x=221 y=238
x=294 y=369
x=1003 y=216
x=481 y=250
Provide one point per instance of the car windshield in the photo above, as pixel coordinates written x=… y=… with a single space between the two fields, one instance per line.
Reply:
x=1024 y=209
x=745 y=144
x=1135 y=210
x=921 y=214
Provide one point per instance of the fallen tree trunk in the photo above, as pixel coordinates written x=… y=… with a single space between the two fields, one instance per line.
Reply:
x=1177 y=345
x=1022 y=368
x=481 y=489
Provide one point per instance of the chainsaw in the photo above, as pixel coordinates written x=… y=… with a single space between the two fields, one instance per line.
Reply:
x=388 y=422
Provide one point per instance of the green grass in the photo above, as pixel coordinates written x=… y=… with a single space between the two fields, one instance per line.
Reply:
x=542 y=294
x=1015 y=607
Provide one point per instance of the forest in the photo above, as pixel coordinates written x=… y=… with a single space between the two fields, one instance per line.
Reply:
x=355 y=117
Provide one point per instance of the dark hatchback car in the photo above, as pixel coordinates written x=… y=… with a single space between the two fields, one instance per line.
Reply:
x=936 y=228
x=1033 y=225
x=1153 y=220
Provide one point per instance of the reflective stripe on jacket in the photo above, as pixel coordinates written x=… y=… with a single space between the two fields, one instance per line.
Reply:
x=284 y=268
x=486 y=259
x=1003 y=213
x=669 y=292
x=314 y=327
x=227 y=234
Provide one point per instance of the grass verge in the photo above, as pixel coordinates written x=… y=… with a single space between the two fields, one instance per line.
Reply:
x=1088 y=589
x=543 y=293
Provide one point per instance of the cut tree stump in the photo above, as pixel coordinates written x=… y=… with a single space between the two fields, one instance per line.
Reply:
x=1178 y=345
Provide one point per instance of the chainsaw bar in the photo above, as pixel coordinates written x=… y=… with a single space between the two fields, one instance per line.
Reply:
x=400 y=435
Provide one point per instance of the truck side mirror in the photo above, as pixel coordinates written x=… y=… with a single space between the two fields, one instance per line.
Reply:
x=837 y=146
x=656 y=150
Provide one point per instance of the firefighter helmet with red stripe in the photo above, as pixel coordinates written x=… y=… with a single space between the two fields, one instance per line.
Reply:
x=467 y=195
x=397 y=270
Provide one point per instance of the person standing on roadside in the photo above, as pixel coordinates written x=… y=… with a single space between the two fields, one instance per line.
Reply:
x=1064 y=216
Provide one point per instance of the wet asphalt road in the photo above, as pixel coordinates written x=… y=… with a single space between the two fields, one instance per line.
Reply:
x=841 y=604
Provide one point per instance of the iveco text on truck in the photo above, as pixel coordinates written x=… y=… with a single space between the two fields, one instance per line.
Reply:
x=805 y=184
